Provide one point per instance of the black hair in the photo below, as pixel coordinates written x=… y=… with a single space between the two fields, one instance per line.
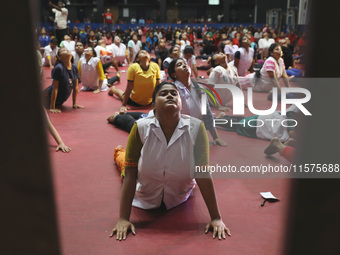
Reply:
x=54 y=40
x=172 y=49
x=94 y=52
x=137 y=55
x=158 y=88
x=213 y=61
x=240 y=40
x=188 y=49
x=171 y=68
x=272 y=47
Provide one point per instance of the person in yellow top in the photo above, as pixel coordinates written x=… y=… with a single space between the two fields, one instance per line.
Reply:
x=91 y=72
x=143 y=76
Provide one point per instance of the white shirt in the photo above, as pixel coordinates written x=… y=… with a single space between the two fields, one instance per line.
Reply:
x=118 y=51
x=271 y=129
x=89 y=74
x=219 y=75
x=76 y=58
x=265 y=83
x=191 y=62
x=183 y=44
x=159 y=35
x=230 y=50
x=191 y=100
x=61 y=17
x=265 y=44
x=246 y=58
x=49 y=52
x=70 y=45
x=257 y=35
x=164 y=168
x=136 y=47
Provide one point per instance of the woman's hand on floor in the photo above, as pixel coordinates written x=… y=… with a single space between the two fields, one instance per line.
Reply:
x=55 y=110
x=96 y=91
x=218 y=228
x=77 y=106
x=121 y=229
x=63 y=148
x=219 y=141
x=123 y=109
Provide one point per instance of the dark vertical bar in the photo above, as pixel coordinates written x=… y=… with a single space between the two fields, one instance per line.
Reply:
x=100 y=10
x=226 y=9
x=163 y=11
x=314 y=215
x=28 y=222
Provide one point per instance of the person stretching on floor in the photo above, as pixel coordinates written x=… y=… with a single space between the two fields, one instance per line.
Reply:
x=285 y=149
x=143 y=76
x=65 y=77
x=166 y=139
x=91 y=72
x=191 y=94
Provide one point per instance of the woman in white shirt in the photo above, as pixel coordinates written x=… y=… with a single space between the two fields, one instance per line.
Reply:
x=264 y=44
x=160 y=163
x=223 y=73
x=91 y=72
x=68 y=44
x=272 y=70
x=229 y=50
x=244 y=57
x=134 y=46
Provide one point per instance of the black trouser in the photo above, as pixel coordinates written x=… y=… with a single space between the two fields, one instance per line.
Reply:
x=59 y=34
x=126 y=121
x=106 y=66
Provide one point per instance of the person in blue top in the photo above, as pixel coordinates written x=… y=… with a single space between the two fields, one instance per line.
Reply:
x=44 y=39
x=151 y=42
x=65 y=77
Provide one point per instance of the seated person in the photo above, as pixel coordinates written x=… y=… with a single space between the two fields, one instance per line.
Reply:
x=134 y=46
x=173 y=185
x=151 y=42
x=189 y=56
x=120 y=54
x=223 y=73
x=91 y=72
x=105 y=55
x=68 y=44
x=50 y=53
x=208 y=47
x=143 y=76
x=174 y=53
x=79 y=53
x=65 y=77
x=161 y=53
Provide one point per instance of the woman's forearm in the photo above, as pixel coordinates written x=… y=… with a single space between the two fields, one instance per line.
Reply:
x=75 y=93
x=208 y=193
x=54 y=94
x=128 y=192
x=127 y=93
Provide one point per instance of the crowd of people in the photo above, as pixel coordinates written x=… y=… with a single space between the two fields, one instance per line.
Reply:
x=162 y=75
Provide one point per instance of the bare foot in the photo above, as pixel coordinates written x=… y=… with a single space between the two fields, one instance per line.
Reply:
x=291 y=142
x=273 y=147
x=112 y=117
x=119 y=147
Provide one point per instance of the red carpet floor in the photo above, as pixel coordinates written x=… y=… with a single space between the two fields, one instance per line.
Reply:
x=87 y=188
